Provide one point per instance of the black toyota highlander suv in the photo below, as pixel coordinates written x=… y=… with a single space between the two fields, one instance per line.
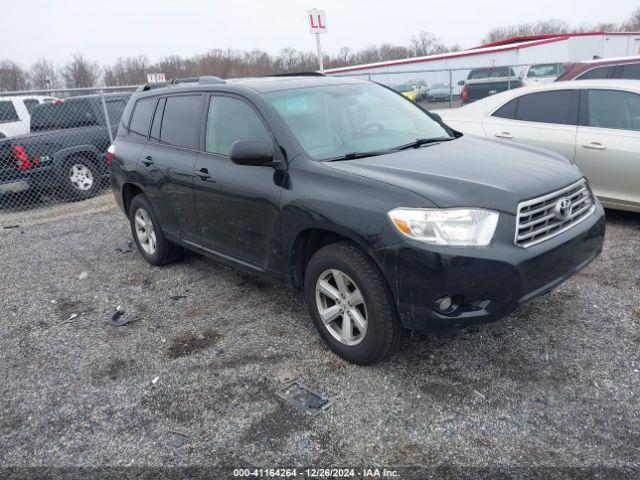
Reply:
x=386 y=218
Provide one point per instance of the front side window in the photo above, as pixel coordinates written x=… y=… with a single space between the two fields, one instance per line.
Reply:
x=8 y=112
x=181 y=121
x=613 y=109
x=546 y=107
x=229 y=120
x=508 y=110
x=141 y=116
x=335 y=120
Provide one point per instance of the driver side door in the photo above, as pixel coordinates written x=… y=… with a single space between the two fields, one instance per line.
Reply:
x=237 y=205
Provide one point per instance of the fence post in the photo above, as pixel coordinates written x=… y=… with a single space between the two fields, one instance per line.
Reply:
x=450 y=88
x=509 y=77
x=106 y=115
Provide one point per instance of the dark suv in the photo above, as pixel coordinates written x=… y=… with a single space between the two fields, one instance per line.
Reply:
x=384 y=216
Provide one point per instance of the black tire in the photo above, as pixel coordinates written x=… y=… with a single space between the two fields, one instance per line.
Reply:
x=384 y=332
x=165 y=251
x=74 y=190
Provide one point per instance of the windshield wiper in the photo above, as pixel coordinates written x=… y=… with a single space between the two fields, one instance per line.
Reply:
x=354 y=155
x=423 y=141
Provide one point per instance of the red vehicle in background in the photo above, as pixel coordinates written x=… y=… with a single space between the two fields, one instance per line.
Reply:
x=601 y=68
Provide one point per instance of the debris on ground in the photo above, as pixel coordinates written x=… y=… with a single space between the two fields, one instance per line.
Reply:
x=120 y=318
x=304 y=398
x=155 y=380
x=175 y=298
x=285 y=375
x=83 y=275
x=636 y=312
x=125 y=247
x=10 y=227
x=72 y=317
x=180 y=437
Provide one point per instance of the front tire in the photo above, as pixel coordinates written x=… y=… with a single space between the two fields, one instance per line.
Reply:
x=151 y=242
x=351 y=304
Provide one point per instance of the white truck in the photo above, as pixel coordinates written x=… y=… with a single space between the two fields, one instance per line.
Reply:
x=15 y=113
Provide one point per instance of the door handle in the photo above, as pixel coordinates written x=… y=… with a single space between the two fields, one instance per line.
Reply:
x=504 y=135
x=148 y=160
x=203 y=173
x=595 y=146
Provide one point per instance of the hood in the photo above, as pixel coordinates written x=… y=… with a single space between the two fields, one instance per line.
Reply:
x=469 y=172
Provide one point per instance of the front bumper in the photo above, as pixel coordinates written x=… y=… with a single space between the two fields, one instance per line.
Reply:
x=489 y=282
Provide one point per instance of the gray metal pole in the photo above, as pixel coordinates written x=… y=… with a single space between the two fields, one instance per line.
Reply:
x=450 y=88
x=509 y=76
x=320 y=59
x=106 y=115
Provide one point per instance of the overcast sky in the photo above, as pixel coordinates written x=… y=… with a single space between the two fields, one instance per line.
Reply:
x=106 y=30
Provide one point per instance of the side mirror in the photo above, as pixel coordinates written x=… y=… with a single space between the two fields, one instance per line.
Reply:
x=461 y=83
x=255 y=153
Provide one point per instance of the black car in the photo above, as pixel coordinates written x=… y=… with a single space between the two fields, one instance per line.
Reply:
x=65 y=150
x=385 y=217
x=484 y=82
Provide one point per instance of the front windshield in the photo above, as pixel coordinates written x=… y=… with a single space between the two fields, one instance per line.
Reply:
x=336 y=120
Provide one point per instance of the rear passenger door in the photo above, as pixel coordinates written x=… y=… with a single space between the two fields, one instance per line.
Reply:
x=543 y=119
x=168 y=161
x=237 y=205
x=608 y=145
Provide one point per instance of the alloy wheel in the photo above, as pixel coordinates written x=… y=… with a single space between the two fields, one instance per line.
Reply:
x=145 y=232
x=341 y=307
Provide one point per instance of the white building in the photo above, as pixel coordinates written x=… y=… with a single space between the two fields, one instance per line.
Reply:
x=553 y=48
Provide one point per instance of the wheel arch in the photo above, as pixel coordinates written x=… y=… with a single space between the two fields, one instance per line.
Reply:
x=308 y=241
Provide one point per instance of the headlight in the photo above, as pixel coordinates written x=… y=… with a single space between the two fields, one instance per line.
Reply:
x=468 y=227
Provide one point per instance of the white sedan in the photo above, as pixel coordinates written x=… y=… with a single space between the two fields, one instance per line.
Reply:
x=593 y=123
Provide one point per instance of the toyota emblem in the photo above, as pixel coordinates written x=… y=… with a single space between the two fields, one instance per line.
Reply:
x=563 y=207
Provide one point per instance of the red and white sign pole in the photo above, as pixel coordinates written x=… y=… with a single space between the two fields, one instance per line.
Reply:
x=317 y=25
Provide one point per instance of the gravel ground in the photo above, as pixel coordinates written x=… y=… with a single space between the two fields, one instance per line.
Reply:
x=192 y=381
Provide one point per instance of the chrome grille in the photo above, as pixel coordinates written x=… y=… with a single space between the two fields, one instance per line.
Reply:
x=545 y=217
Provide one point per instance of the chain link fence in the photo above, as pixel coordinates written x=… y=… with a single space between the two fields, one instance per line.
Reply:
x=454 y=87
x=53 y=144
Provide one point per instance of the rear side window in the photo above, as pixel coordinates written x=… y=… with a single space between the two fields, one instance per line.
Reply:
x=546 y=107
x=8 y=112
x=141 y=117
x=508 y=110
x=613 y=109
x=229 y=120
x=181 y=121
x=598 y=73
x=630 y=71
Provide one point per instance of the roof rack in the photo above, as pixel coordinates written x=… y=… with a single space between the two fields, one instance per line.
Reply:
x=297 y=74
x=204 y=80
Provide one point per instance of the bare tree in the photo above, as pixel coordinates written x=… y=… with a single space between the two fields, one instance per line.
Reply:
x=632 y=24
x=127 y=71
x=12 y=76
x=80 y=72
x=43 y=75
x=525 y=29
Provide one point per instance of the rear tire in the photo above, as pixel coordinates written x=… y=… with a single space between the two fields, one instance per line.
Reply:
x=150 y=240
x=81 y=178
x=336 y=278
